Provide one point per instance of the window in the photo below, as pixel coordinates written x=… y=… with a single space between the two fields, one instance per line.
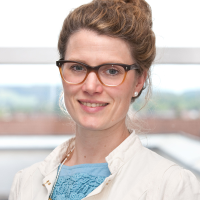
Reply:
x=30 y=85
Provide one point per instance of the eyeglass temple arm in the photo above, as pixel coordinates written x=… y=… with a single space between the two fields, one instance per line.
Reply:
x=59 y=62
x=135 y=66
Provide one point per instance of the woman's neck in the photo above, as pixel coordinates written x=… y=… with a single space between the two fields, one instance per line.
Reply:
x=93 y=146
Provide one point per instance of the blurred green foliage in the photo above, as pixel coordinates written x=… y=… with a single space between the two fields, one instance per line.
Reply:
x=166 y=101
x=45 y=99
x=30 y=100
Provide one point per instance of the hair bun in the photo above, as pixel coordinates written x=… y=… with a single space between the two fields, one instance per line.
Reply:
x=125 y=1
x=119 y=1
x=140 y=4
x=128 y=1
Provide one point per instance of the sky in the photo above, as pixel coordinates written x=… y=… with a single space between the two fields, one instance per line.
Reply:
x=38 y=23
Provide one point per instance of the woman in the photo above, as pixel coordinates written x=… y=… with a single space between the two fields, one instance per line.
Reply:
x=106 y=49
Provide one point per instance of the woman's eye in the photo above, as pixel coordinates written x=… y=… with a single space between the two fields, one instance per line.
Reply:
x=77 y=68
x=112 y=71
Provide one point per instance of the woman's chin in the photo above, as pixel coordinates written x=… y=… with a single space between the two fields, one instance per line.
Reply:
x=91 y=125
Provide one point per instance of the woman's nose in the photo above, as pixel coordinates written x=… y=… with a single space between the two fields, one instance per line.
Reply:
x=92 y=84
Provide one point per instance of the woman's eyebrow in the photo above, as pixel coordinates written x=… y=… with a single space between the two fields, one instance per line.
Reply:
x=101 y=63
x=78 y=60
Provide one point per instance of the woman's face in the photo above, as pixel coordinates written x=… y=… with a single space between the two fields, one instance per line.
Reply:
x=110 y=104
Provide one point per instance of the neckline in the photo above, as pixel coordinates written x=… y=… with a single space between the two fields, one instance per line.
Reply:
x=86 y=165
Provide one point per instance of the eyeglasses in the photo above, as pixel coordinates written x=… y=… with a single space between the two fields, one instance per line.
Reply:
x=110 y=74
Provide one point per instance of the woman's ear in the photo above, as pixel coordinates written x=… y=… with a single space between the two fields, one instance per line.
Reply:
x=140 y=80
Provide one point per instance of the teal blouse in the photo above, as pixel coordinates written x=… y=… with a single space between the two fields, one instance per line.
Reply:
x=76 y=182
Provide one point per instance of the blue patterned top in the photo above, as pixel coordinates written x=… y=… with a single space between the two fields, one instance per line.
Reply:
x=76 y=182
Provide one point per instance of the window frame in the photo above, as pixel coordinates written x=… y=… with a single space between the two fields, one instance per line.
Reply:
x=49 y=55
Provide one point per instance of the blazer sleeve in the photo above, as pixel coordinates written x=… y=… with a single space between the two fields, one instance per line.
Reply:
x=14 y=191
x=179 y=184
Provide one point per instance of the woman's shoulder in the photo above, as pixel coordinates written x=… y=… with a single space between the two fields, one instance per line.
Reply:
x=170 y=180
x=21 y=178
x=28 y=170
x=159 y=177
x=39 y=170
x=178 y=183
x=167 y=167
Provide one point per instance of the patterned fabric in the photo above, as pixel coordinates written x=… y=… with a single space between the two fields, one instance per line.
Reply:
x=76 y=182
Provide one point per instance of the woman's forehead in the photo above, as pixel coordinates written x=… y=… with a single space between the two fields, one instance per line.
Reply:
x=90 y=45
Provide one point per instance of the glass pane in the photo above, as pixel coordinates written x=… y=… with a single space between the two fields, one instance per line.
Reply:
x=33 y=23
x=29 y=100
x=176 y=78
x=174 y=105
x=174 y=27
x=176 y=22
x=29 y=74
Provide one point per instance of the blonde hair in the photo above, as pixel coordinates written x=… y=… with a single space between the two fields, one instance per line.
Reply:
x=129 y=20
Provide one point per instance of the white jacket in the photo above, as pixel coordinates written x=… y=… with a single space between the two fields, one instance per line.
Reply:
x=136 y=174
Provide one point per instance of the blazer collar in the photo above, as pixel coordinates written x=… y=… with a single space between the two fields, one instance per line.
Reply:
x=124 y=152
x=115 y=159
x=53 y=160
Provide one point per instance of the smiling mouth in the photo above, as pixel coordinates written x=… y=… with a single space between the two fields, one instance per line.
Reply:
x=93 y=105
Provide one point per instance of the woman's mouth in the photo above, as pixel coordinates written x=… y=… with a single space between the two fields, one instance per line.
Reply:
x=93 y=105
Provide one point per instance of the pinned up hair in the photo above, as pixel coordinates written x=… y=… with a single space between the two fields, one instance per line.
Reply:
x=129 y=20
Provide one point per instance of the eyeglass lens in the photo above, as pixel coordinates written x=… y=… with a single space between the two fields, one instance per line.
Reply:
x=111 y=75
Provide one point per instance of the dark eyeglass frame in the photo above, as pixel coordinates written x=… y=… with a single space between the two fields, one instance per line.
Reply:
x=95 y=69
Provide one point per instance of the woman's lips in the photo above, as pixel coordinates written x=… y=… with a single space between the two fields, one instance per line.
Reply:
x=92 y=107
x=93 y=104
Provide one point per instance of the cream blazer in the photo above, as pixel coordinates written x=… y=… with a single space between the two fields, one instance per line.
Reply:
x=136 y=174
